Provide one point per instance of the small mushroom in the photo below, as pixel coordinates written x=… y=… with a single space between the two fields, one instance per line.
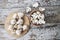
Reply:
x=41 y=21
x=38 y=12
x=18 y=32
x=25 y=27
x=42 y=16
x=36 y=21
x=12 y=22
x=20 y=21
x=28 y=9
x=15 y=26
x=35 y=4
x=14 y=16
x=41 y=9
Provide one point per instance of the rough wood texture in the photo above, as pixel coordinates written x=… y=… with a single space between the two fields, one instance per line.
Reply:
x=52 y=14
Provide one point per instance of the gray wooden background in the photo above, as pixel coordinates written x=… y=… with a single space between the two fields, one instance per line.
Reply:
x=51 y=30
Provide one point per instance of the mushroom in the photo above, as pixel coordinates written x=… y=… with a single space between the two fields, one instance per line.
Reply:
x=37 y=18
x=13 y=21
x=14 y=16
x=41 y=9
x=35 y=4
x=28 y=9
x=25 y=27
x=18 y=32
x=20 y=21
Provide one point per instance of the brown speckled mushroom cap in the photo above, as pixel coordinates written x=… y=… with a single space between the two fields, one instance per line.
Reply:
x=33 y=11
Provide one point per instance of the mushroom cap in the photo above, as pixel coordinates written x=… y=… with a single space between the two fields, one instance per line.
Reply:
x=7 y=23
x=36 y=14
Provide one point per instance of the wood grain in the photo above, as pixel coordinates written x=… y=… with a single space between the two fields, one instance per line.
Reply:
x=52 y=14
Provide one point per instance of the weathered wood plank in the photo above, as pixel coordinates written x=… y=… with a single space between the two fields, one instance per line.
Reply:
x=34 y=33
x=19 y=3
x=52 y=14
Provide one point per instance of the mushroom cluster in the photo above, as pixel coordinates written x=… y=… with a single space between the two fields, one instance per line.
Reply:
x=37 y=18
x=17 y=24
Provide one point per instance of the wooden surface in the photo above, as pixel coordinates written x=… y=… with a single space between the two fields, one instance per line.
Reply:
x=52 y=14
